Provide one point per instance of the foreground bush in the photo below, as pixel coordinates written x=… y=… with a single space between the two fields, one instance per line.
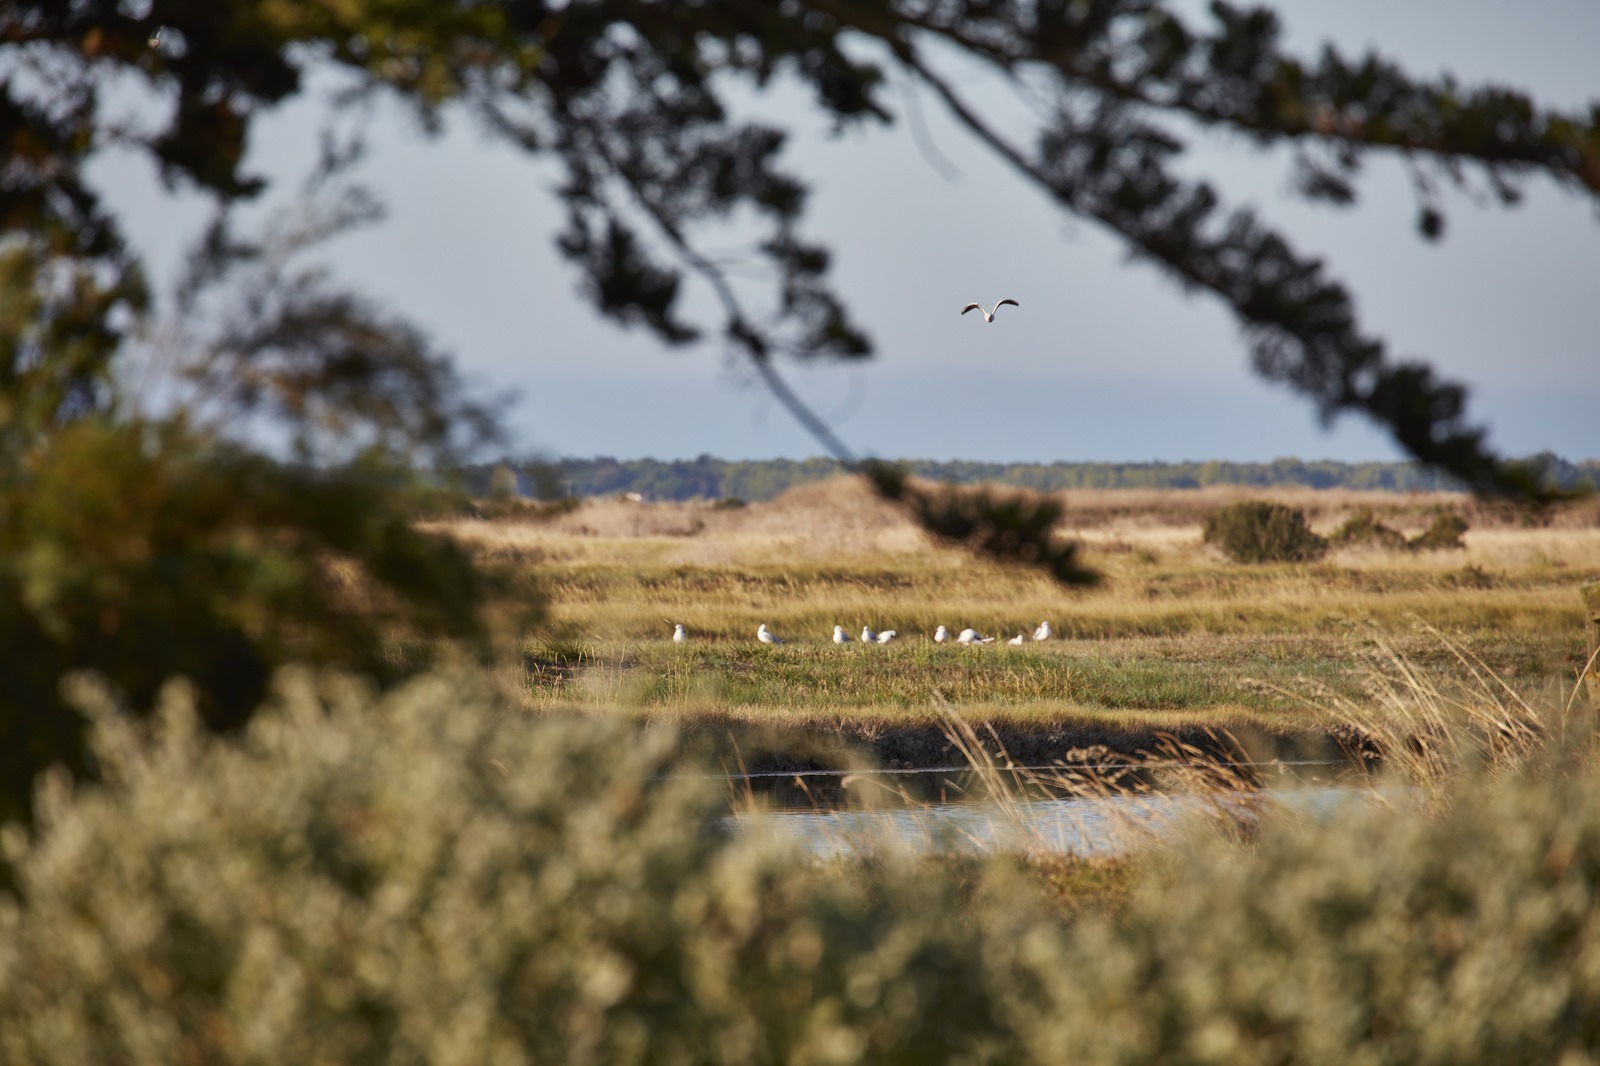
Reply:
x=1380 y=938
x=428 y=880
x=1253 y=531
x=424 y=879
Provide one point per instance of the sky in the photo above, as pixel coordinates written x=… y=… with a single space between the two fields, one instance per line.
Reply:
x=1105 y=360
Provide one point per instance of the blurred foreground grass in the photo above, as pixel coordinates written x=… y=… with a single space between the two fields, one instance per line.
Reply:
x=436 y=876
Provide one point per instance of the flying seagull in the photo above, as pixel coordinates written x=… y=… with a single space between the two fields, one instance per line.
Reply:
x=840 y=636
x=767 y=636
x=988 y=316
x=678 y=635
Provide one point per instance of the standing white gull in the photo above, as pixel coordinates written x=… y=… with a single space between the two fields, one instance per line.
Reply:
x=767 y=636
x=886 y=636
x=941 y=635
x=678 y=635
x=988 y=316
x=972 y=636
x=1043 y=632
x=868 y=636
x=840 y=636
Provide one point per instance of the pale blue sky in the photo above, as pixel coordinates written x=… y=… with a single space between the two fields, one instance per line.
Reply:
x=1104 y=360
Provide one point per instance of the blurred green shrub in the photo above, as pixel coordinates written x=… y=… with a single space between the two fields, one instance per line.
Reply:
x=1253 y=531
x=1016 y=528
x=1363 y=529
x=1380 y=937
x=522 y=509
x=141 y=551
x=1443 y=535
x=145 y=529
x=429 y=877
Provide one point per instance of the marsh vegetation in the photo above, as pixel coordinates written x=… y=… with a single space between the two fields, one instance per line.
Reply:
x=1177 y=637
x=535 y=864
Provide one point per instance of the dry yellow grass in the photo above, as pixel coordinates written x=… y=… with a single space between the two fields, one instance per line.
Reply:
x=1175 y=631
x=833 y=553
x=1324 y=509
x=843 y=516
x=813 y=522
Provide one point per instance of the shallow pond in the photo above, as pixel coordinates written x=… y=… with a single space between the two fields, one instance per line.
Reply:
x=1091 y=827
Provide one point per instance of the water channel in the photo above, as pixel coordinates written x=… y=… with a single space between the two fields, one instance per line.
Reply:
x=1092 y=826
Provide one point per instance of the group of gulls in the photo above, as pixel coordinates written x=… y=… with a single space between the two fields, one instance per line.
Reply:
x=940 y=636
x=972 y=636
x=841 y=637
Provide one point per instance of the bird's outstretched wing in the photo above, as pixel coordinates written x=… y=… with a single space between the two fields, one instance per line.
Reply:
x=972 y=307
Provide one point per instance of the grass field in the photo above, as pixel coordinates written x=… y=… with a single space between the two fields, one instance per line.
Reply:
x=1175 y=637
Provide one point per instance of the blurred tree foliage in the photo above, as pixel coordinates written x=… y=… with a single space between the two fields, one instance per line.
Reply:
x=142 y=546
x=143 y=551
x=216 y=485
x=631 y=97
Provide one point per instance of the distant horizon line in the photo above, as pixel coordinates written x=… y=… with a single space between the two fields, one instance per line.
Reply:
x=706 y=456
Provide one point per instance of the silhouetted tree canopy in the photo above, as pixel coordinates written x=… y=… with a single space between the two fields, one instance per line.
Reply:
x=631 y=96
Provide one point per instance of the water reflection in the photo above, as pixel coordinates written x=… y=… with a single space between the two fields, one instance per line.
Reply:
x=1090 y=827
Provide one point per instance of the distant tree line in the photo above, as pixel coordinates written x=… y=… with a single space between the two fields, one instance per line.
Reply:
x=721 y=479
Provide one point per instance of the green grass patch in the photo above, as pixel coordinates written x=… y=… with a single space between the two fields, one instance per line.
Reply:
x=1283 y=678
